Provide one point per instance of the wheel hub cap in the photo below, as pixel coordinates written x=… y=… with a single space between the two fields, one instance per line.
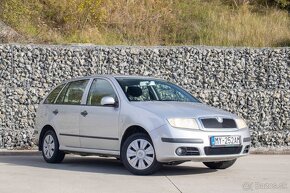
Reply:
x=140 y=154
x=48 y=146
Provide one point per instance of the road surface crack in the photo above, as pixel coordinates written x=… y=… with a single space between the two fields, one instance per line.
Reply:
x=173 y=184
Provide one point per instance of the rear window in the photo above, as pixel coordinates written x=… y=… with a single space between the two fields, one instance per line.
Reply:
x=52 y=96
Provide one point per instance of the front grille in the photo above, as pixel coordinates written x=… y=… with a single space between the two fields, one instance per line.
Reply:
x=222 y=150
x=215 y=124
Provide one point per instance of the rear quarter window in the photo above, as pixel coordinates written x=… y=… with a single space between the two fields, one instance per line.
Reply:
x=50 y=99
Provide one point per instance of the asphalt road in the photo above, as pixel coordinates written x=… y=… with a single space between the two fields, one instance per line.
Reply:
x=30 y=174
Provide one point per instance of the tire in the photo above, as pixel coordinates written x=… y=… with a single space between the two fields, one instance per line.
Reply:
x=50 y=148
x=220 y=165
x=138 y=155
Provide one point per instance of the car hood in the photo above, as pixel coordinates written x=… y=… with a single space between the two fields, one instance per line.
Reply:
x=181 y=109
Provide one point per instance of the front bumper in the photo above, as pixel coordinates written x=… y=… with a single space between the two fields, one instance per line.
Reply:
x=167 y=139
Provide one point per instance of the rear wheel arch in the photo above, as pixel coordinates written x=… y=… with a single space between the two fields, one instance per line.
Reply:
x=43 y=131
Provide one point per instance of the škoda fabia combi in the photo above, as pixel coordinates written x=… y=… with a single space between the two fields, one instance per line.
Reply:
x=145 y=122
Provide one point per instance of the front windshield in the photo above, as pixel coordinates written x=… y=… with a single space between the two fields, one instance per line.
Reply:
x=153 y=90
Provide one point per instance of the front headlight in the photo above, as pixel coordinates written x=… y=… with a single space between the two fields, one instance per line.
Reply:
x=187 y=123
x=241 y=123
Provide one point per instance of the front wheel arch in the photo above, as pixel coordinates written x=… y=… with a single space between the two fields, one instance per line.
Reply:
x=132 y=130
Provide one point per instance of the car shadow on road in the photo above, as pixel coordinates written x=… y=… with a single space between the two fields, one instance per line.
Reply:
x=95 y=164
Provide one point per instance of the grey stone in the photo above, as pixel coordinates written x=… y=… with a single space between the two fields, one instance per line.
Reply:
x=253 y=83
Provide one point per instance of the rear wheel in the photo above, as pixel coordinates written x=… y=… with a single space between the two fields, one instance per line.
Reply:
x=138 y=155
x=50 y=148
x=220 y=164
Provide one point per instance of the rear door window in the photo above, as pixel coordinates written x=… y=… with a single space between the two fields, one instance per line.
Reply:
x=72 y=94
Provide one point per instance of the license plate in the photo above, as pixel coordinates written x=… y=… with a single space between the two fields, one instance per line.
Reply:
x=225 y=140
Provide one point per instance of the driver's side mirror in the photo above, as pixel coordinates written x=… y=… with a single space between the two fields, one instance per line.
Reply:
x=109 y=101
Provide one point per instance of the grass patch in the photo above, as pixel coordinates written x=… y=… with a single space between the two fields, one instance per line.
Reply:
x=149 y=22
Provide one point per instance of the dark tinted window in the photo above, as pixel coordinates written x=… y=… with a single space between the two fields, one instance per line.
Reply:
x=72 y=93
x=52 y=96
x=99 y=89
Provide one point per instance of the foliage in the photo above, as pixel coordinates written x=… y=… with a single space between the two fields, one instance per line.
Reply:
x=151 y=22
x=63 y=15
x=71 y=15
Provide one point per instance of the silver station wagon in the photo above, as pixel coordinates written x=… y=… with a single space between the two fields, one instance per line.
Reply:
x=145 y=122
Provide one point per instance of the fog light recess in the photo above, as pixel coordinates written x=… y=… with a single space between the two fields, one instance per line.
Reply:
x=187 y=151
x=247 y=149
x=180 y=151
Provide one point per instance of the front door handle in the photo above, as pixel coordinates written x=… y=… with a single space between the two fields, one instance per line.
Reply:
x=84 y=113
x=55 y=111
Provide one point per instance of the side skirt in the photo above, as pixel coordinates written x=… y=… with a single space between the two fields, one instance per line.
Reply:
x=90 y=151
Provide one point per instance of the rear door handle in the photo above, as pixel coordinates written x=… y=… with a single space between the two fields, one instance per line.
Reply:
x=55 y=111
x=84 y=113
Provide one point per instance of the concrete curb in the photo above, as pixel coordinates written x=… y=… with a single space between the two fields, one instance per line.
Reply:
x=271 y=151
x=19 y=153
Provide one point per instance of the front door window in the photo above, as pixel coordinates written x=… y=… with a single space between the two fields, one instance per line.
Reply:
x=100 y=88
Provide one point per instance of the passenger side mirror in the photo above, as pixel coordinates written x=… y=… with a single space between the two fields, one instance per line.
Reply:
x=108 y=101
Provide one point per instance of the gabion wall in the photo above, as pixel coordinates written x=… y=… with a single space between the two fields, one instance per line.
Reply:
x=253 y=83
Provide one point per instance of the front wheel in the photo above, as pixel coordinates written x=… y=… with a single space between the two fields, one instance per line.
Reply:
x=138 y=155
x=50 y=148
x=220 y=164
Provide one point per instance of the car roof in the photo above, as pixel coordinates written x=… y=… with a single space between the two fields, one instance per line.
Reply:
x=110 y=77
